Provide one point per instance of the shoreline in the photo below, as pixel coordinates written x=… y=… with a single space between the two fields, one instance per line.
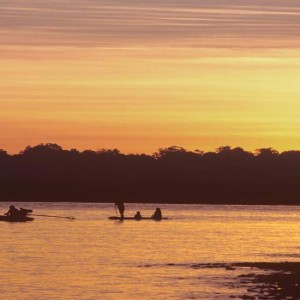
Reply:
x=261 y=280
x=281 y=282
x=149 y=202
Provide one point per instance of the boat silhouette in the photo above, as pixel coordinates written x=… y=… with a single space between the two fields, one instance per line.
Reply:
x=15 y=219
x=133 y=218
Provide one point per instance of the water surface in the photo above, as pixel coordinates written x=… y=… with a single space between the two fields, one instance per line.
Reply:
x=95 y=258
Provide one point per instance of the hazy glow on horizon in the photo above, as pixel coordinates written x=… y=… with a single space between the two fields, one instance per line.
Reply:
x=139 y=75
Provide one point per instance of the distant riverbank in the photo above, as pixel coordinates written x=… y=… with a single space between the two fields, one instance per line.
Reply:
x=130 y=201
x=49 y=173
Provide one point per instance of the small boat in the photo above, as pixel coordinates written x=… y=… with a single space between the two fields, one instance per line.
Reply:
x=14 y=219
x=133 y=218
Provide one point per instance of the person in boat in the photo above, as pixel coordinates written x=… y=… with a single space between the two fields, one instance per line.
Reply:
x=121 y=207
x=23 y=212
x=157 y=214
x=13 y=212
x=138 y=215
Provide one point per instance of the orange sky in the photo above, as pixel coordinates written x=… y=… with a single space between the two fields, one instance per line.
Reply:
x=139 y=75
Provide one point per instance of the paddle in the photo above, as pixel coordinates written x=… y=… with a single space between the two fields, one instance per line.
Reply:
x=70 y=218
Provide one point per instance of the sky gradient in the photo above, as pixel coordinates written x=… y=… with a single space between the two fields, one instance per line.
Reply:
x=139 y=75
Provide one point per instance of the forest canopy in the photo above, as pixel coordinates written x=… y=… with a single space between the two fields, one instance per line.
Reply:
x=47 y=172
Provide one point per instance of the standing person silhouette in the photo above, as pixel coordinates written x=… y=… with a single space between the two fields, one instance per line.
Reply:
x=121 y=208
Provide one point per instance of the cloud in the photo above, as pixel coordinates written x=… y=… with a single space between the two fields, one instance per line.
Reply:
x=115 y=23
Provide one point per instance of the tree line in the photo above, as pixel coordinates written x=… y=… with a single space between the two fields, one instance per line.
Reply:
x=47 y=172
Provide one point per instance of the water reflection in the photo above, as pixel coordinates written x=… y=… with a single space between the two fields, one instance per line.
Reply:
x=96 y=258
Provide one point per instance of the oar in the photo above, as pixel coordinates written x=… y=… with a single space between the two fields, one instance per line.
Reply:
x=70 y=218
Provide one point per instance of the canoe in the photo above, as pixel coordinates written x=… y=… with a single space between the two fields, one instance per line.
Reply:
x=132 y=218
x=10 y=219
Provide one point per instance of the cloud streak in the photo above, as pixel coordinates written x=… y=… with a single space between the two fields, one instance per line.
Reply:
x=150 y=23
x=162 y=71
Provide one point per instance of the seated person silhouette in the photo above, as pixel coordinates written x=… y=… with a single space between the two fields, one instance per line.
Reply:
x=13 y=212
x=23 y=212
x=138 y=215
x=157 y=214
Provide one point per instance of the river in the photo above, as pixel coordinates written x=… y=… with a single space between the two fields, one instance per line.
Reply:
x=96 y=258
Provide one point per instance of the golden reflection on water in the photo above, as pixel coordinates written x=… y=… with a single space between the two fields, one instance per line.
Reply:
x=95 y=258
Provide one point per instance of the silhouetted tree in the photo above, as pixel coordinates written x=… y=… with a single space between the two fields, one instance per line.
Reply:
x=47 y=172
x=3 y=154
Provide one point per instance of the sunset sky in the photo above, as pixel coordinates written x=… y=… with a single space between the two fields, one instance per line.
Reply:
x=138 y=75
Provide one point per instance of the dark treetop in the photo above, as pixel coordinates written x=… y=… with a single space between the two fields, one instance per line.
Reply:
x=46 y=172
